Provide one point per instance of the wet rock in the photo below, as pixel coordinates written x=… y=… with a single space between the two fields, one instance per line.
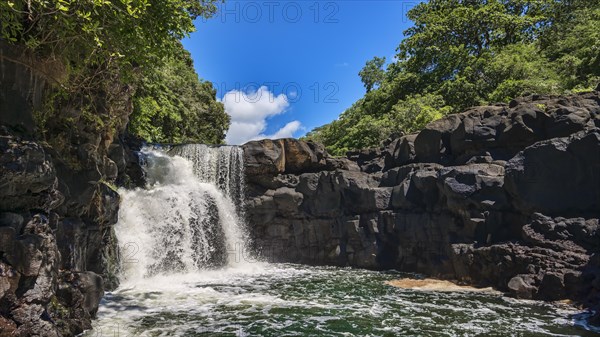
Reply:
x=125 y=153
x=57 y=204
x=13 y=220
x=552 y=287
x=54 y=219
x=521 y=286
x=72 y=240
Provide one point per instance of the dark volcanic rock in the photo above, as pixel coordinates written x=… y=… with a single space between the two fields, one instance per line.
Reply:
x=58 y=203
x=29 y=279
x=27 y=175
x=503 y=195
x=433 y=142
x=403 y=152
x=37 y=247
x=570 y=165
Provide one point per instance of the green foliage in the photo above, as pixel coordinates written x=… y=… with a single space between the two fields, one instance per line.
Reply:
x=57 y=309
x=172 y=105
x=372 y=74
x=413 y=113
x=464 y=53
x=573 y=47
x=106 y=46
x=92 y=31
x=357 y=129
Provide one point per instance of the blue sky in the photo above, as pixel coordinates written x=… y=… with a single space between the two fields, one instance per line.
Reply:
x=285 y=67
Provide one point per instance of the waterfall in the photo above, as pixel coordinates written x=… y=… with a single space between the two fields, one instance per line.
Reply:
x=188 y=217
x=221 y=166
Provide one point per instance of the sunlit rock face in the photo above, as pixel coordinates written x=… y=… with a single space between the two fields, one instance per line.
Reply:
x=505 y=195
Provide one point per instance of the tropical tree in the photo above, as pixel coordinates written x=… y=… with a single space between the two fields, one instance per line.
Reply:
x=372 y=74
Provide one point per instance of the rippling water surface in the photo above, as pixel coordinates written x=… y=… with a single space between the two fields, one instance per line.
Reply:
x=187 y=217
x=292 y=300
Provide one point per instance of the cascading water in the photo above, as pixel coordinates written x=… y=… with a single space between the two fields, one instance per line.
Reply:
x=188 y=217
x=184 y=274
x=221 y=166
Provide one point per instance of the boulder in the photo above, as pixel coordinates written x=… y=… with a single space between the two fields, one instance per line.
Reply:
x=272 y=157
x=303 y=157
x=521 y=286
x=264 y=157
x=404 y=151
x=569 y=165
x=478 y=130
x=434 y=141
x=552 y=287
x=91 y=286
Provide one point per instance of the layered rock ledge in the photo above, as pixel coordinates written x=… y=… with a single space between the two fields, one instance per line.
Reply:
x=506 y=195
x=58 y=205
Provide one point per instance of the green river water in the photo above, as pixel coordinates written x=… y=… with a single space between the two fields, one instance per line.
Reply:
x=293 y=300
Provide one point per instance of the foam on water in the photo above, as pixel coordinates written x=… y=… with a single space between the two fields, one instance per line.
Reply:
x=183 y=221
x=186 y=272
x=293 y=300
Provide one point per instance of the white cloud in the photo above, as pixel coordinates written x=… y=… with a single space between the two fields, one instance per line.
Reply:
x=249 y=112
x=287 y=131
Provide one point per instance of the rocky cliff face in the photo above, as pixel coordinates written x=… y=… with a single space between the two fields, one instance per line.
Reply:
x=503 y=195
x=57 y=207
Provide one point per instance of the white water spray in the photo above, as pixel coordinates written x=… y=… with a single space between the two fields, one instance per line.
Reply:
x=221 y=166
x=186 y=219
x=179 y=226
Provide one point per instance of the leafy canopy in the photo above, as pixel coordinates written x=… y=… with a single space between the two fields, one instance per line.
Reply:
x=109 y=44
x=172 y=105
x=90 y=31
x=372 y=74
x=461 y=53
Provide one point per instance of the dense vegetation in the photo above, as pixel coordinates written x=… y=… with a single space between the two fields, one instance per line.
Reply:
x=109 y=47
x=461 y=53
x=172 y=106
